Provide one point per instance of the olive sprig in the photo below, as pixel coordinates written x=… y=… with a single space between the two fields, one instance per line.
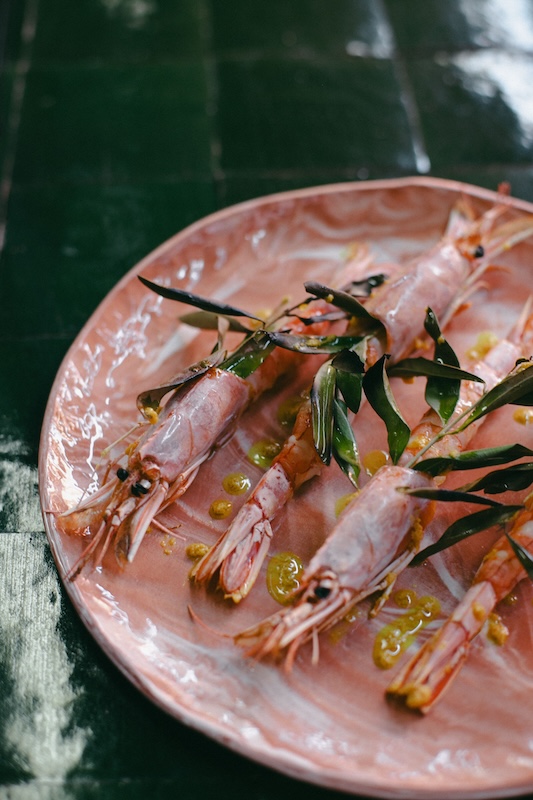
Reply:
x=443 y=384
x=259 y=338
x=340 y=383
x=515 y=389
x=444 y=377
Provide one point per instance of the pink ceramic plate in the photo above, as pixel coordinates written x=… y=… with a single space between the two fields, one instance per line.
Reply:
x=330 y=723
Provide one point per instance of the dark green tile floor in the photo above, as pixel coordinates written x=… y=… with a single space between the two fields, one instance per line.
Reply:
x=122 y=121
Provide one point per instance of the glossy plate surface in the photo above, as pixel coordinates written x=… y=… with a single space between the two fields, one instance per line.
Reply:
x=328 y=723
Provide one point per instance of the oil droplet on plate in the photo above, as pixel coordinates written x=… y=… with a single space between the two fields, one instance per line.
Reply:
x=395 y=637
x=236 y=483
x=196 y=550
x=374 y=460
x=484 y=342
x=284 y=571
x=497 y=631
x=510 y=599
x=342 y=628
x=288 y=410
x=263 y=452
x=220 y=509
x=342 y=502
x=167 y=543
x=404 y=598
x=524 y=416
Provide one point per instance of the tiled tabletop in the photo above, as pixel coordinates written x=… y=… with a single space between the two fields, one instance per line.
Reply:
x=122 y=121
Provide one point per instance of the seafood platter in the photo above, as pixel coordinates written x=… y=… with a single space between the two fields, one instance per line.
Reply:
x=286 y=474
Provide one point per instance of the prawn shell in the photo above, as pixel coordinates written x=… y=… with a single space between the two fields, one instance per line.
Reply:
x=191 y=422
x=430 y=280
x=361 y=548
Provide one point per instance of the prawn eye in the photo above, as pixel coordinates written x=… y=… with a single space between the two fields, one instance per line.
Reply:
x=479 y=252
x=122 y=474
x=140 y=488
x=321 y=592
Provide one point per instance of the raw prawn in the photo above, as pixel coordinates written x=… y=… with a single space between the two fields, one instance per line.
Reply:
x=197 y=417
x=241 y=550
x=440 y=277
x=424 y=679
x=379 y=532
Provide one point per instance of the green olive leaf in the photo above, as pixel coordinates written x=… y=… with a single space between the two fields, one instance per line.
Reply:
x=301 y=343
x=522 y=555
x=365 y=286
x=208 y=321
x=472 y=459
x=422 y=367
x=450 y=496
x=350 y=369
x=195 y=300
x=516 y=389
x=378 y=392
x=467 y=526
x=322 y=397
x=441 y=396
x=246 y=358
x=349 y=361
x=510 y=479
x=345 y=301
x=329 y=316
x=345 y=450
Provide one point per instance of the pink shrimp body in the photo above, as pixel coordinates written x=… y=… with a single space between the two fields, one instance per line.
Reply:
x=440 y=278
x=425 y=678
x=376 y=536
x=240 y=551
x=434 y=278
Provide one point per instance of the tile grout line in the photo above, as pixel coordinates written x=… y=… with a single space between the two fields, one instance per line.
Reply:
x=22 y=66
x=217 y=173
x=423 y=163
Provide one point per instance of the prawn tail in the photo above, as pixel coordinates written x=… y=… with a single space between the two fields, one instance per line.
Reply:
x=431 y=671
x=240 y=569
x=241 y=550
x=424 y=679
x=422 y=682
x=238 y=554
